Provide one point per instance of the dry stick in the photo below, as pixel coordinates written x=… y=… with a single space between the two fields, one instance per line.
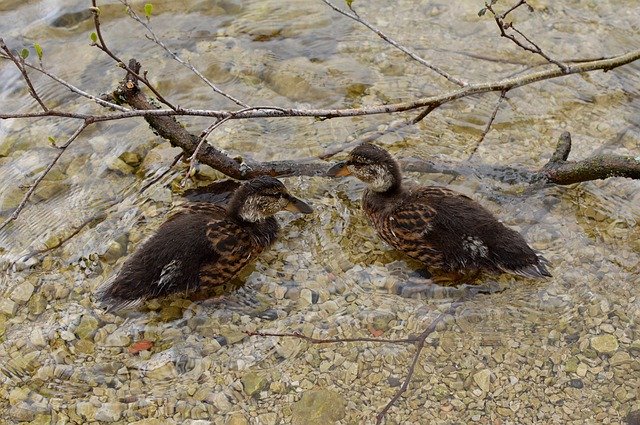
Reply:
x=103 y=46
x=26 y=197
x=394 y=43
x=74 y=89
x=164 y=173
x=437 y=100
x=503 y=27
x=333 y=340
x=177 y=58
x=377 y=134
x=503 y=94
x=20 y=65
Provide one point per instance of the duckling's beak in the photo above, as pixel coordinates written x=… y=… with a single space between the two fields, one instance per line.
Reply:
x=339 y=170
x=296 y=205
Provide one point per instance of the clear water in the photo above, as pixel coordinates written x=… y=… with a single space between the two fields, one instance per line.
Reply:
x=328 y=274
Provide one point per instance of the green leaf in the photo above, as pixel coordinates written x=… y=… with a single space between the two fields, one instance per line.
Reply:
x=349 y=2
x=94 y=37
x=482 y=11
x=24 y=53
x=38 y=49
x=52 y=140
x=148 y=9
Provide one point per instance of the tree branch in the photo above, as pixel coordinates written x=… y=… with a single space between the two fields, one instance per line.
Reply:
x=395 y=44
x=21 y=66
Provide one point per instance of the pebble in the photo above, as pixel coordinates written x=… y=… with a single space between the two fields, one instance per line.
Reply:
x=22 y=293
x=606 y=344
x=318 y=407
x=482 y=379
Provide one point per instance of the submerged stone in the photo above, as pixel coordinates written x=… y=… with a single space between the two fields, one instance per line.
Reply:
x=606 y=344
x=318 y=407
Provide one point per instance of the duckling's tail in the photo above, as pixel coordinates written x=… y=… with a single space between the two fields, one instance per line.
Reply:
x=112 y=297
x=537 y=269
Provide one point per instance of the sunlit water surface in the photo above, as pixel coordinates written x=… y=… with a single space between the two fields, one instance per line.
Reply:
x=66 y=361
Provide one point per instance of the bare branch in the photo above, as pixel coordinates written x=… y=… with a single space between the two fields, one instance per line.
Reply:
x=499 y=18
x=103 y=46
x=20 y=65
x=177 y=58
x=409 y=340
x=395 y=44
x=26 y=197
x=503 y=94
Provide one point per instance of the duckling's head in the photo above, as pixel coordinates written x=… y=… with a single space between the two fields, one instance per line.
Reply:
x=262 y=197
x=373 y=165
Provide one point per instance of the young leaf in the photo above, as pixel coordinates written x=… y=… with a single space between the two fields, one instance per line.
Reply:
x=24 y=53
x=348 y=3
x=148 y=9
x=52 y=140
x=493 y=2
x=94 y=37
x=482 y=11
x=38 y=50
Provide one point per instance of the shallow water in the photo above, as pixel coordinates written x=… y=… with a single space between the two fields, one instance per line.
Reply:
x=529 y=353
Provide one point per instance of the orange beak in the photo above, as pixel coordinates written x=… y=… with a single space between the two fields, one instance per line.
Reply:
x=339 y=170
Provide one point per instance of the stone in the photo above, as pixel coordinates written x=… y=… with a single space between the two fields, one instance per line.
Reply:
x=270 y=418
x=22 y=293
x=571 y=365
x=117 y=339
x=604 y=344
x=236 y=419
x=221 y=402
x=153 y=421
x=483 y=379
x=86 y=410
x=164 y=372
x=8 y=307
x=253 y=383
x=109 y=412
x=318 y=407
x=130 y=158
x=87 y=327
x=119 y=166
x=633 y=418
x=581 y=370
x=619 y=358
x=37 y=304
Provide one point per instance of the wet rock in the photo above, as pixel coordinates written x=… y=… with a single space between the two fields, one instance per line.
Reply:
x=606 y=344
x=118 y=165
x=49 y=189
x=85 y=346
x=109 y=412
x=22 y=292
x=6 y=146
x=87 y=327
x=37 y=304
x=117 y=339
x=8 y=307
x=236 y=419
x=318 y=407
x=170 y=313
x=221 y=402
x=164 y=372
x=581 y=370
x=130 y=158
x=116 y=249
x=86 y=410
x=576 y=383
x=153 y=421
x=253 y=383
x=571 y=365
x=268 y=418
x=619 y=358
x=483 y=379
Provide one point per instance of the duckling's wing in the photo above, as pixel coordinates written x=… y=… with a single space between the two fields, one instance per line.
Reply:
x=171 y=260
x=458 y=233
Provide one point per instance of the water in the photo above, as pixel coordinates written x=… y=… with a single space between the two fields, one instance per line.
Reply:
x=328 y=275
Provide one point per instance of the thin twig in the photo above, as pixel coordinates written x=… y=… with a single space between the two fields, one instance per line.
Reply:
x=395 y=44
x=103 y=46
x=177 y=58
x=61 y=150
x=420 y=342
x=487 y=127
x=164 y=173
x=499 y=18
x=20 y=64
x=334 y=340
x=74 y=89
x=334 y=150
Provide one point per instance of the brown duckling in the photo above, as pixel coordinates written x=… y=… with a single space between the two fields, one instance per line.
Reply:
x=203 y=244
x=444 y=229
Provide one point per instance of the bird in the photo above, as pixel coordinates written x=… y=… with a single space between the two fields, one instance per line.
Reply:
x=202 y=244
x=447 y=231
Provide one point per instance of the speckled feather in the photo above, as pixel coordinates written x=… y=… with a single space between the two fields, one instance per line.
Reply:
x=198 y=245
x=437 y=226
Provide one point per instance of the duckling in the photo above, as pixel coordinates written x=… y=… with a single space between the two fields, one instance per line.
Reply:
x=446 y=230
x=202 y=244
